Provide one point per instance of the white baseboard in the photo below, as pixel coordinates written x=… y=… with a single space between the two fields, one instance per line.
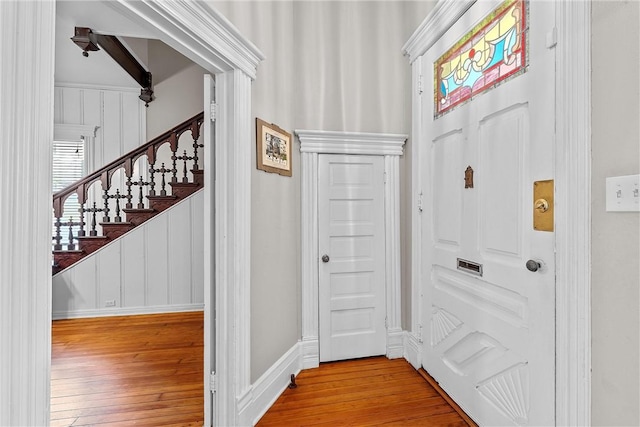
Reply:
x=395 y=343
x=412 y=349
x=266 y=390
x=304 y=355
x=126 y=311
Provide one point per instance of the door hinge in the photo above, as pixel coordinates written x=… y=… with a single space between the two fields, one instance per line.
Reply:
x=212 y=382
x=420 y=332
x=213 y=109
x=420 y=202
x=385 y=177
x=420 y=84
x=386 y=322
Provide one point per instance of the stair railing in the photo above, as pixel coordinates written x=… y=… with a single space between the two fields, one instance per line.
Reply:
x=116 y=200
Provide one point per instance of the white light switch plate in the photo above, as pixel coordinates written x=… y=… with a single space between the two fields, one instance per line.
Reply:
x=623 y=193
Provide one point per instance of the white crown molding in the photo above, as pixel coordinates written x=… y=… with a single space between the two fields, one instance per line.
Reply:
x=71 y=85
x=67 y=132
x=212 y=40
x=443 y=15
x=312 y=144
x=330 y=142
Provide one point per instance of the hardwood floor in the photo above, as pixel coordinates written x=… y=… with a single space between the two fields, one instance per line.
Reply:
x=366 y=392
x=130 y=370
x=148 y=371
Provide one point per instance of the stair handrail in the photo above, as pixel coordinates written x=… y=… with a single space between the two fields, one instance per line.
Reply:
x=126 y=161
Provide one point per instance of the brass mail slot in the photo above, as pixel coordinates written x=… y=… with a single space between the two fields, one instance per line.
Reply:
x=470 y=267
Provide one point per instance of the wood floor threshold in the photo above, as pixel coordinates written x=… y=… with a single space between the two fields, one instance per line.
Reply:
x=446 y=397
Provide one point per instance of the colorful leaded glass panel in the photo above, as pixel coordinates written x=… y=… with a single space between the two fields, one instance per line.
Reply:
x=493 y=51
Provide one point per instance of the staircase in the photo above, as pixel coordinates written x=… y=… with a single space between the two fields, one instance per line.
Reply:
x=127 y=192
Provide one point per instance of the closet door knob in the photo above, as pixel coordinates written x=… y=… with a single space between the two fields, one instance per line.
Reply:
x=533 y=265
x=325 y=258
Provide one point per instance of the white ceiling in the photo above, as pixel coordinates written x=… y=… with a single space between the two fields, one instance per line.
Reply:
x=99 y=68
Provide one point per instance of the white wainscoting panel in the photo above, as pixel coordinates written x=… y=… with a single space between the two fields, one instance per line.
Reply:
x=158 y=270
x=179 y=258
x=156 y=267
x=133 y=256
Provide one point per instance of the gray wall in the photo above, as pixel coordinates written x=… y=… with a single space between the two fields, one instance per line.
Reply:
x=615 y=246
x=330 y=66
x=275 y=200
x=337 y=66
x=177 y=98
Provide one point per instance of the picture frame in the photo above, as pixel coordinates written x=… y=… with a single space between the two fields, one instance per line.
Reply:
x=273 y=148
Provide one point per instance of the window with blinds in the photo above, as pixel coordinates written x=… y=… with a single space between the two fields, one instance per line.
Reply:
x=68 y=167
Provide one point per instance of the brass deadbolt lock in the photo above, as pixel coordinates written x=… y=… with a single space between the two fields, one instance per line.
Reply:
x=541 y=205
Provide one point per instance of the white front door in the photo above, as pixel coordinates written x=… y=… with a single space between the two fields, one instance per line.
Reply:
x=352 y=256
x=488 y=321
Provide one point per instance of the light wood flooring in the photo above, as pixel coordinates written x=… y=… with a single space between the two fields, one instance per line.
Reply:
x=130 y=370
x=148 y=371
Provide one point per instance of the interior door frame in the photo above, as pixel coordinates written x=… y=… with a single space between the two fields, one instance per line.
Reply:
x=312 y=144
x=205 y=36
x=571 y=39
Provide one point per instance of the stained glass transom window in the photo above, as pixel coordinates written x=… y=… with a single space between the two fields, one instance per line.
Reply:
x=493 y=51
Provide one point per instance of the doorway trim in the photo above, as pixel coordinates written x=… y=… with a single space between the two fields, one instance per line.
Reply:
x=572 y=195
x=209 y=39
x=313 y=143
x=205 y=36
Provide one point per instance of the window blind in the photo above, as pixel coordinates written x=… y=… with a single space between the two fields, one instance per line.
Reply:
x=68 y=167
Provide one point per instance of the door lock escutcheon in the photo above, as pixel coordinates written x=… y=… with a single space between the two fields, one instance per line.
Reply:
x=543 y=205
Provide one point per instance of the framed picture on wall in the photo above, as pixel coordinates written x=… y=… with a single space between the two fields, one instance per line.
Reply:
x=273 y=148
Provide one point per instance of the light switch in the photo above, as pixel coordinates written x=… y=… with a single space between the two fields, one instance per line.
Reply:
x=623 y=193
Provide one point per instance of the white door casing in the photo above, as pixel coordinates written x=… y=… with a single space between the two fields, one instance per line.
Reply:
x=313 y=144
x=208 y=134
x=572 y=402
x=218 y=47
x=352 y=256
